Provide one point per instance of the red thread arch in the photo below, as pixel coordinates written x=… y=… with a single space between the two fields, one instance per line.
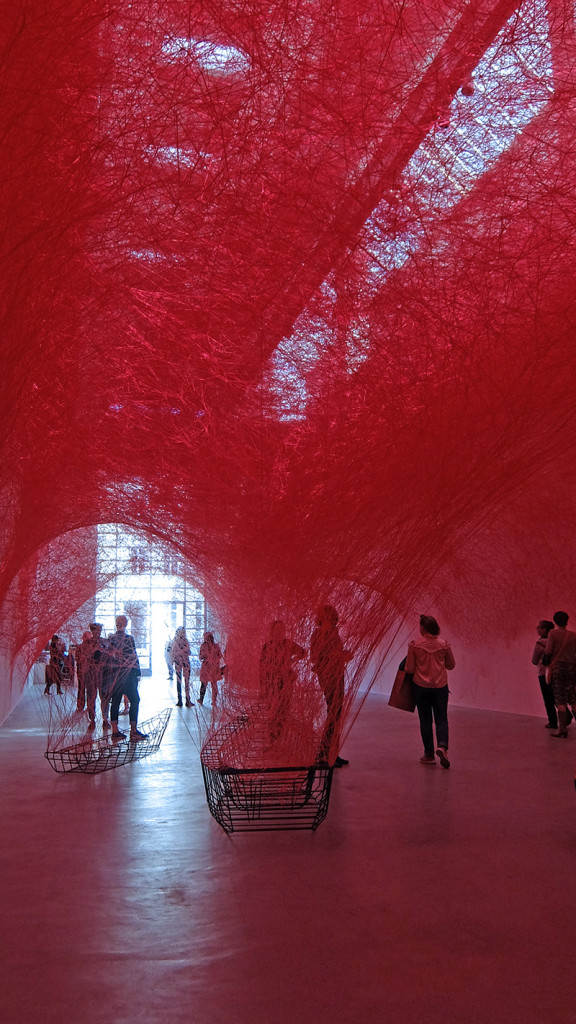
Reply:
x=288 y=288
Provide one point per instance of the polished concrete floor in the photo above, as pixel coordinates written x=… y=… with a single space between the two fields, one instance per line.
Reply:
x=427 y=897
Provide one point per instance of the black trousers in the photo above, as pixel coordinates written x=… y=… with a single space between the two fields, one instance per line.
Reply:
x=127 y=685
x=432 y=702
x=549 y=704
x=53 y=675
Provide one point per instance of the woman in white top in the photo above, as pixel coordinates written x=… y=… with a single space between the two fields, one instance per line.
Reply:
x=427 y=661
x=181 y=659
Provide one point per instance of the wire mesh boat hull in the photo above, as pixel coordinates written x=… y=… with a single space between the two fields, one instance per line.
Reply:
x=101 y=755
x=243 y=796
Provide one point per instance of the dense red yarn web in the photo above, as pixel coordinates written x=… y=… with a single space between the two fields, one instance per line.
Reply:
x=288 y=288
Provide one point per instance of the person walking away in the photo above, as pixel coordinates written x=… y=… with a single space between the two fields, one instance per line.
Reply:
x=427 y=660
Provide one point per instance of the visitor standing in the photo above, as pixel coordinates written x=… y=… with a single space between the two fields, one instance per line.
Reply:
x=93 y=656
x=543 y=629
x=54 y=668
x=329 y=661
x=125 y=671
x=181 y=656
x=277 y=675
x=169 y=659
x=560 y=655
x=210 y=666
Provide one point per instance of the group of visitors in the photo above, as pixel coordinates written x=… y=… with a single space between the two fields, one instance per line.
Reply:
x=430 y=657
x=109 y=669
x=555 y=658
x=177 y=654
x=277 y=675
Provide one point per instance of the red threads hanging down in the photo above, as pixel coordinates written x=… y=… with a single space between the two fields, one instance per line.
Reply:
x=288 y=288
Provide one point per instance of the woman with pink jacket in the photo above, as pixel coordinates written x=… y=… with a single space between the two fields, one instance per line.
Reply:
x=427 y=660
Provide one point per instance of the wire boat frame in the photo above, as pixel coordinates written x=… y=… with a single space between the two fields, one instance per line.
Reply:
x=101 y=755
x=244 y=795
